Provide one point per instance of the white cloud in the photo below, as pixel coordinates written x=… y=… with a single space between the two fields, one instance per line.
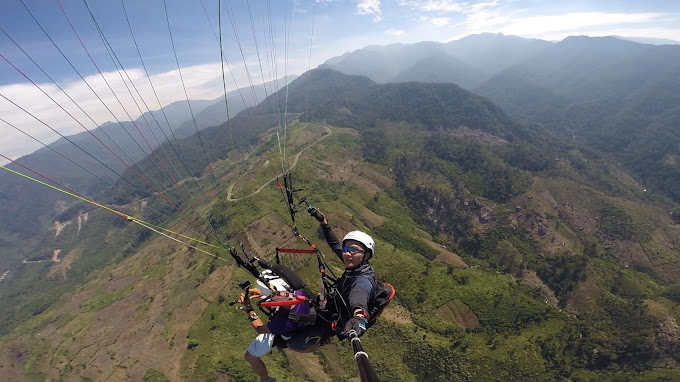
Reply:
x=439 y=22
x=370 y=7
x=495 y=16
x=395 y=32
x=479 y=7
x=202 y=82
x=487 y=19
x=433 y=6
x=569 y=23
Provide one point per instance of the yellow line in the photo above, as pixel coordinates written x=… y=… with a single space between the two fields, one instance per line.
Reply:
x=128 y=217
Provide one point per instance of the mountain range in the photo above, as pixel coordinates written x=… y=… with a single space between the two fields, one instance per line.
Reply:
x=616 y=96
x=74 y=161
x=520 y=248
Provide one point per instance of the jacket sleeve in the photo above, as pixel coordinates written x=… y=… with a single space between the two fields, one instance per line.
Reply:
x=360 y=295
x=332 y=240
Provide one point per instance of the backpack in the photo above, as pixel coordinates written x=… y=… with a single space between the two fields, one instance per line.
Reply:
x=383 y=295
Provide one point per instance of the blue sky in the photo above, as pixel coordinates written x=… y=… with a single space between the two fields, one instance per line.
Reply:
x=282 y=30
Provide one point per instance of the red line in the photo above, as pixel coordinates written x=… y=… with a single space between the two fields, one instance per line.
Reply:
x=175 y=183
x=295 y=250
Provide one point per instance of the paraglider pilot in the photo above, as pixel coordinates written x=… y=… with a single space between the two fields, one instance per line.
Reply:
x=358 y=284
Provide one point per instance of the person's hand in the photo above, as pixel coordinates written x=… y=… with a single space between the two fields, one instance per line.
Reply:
x=244 y=301
x=316 y=214
x=358 y=324
x=255 y=293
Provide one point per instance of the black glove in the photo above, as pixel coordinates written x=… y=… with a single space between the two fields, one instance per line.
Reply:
x=358 y=324
x=316 y=214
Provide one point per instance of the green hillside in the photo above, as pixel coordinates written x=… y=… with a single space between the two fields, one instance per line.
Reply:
x=617 y=96
x=514 y=256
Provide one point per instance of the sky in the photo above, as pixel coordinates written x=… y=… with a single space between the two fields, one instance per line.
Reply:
x=52 y=54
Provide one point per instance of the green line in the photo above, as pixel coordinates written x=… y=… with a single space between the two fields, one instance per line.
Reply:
x=128 y=217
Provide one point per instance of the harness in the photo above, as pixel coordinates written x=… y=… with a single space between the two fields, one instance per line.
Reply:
x=324 y=306
x=328 y=304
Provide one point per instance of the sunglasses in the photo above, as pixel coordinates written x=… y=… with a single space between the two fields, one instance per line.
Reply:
x=353 y=250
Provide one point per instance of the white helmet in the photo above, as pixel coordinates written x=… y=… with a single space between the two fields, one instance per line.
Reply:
x=279 y=284
x=362 y=238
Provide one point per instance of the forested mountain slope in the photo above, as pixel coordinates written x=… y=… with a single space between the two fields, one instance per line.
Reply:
x=619 y=97
x=515 y=255
x=29 y=209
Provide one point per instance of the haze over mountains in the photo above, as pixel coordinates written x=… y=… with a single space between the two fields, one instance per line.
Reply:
x=621 y=97
x=128 y=141
x=472 y=59
x=478 y=57
x=519 y=240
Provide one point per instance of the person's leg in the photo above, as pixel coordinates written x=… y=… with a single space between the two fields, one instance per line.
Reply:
x=260 y=346
x=257 y=365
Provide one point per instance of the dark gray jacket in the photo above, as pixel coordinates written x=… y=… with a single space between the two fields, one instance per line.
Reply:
x=356 y=286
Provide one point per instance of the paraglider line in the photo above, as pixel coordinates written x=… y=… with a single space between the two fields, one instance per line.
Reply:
x=114 y=58
x=172 y=132
x=85 y=199
x=96 y=95
x=224 y=82
x=179 y=69
x=169 y=176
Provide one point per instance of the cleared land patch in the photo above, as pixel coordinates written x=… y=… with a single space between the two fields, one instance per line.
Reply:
x=457 y=312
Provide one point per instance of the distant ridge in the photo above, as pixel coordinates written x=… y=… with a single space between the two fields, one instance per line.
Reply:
x=650 y=40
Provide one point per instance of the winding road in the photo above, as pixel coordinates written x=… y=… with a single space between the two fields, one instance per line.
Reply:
x=297 y=156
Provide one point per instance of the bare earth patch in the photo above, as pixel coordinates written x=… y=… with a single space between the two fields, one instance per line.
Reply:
x=58 y=227
x=668 y=337
x=670 y=272
x=445 y=256
x=477 y=135
x=630 y=253
x=64 y=264
x=121 y=341
x=305 y=138
x=216 y=282
x=350 y=170
x=398 y=314
x=366 y=185
x=548 y=237
x=76 y=300
x=266 y=233
x=12 y=359
x=82 y=219
x=584 y=297
x=383 y=181
x=580 y=218
x=450 y=258
x=566 y=200
x=371 y=218
x=120 y=283
x=457 y=312
x=531 y=279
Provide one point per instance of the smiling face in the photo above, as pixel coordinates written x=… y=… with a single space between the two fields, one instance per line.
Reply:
x=352 y=254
